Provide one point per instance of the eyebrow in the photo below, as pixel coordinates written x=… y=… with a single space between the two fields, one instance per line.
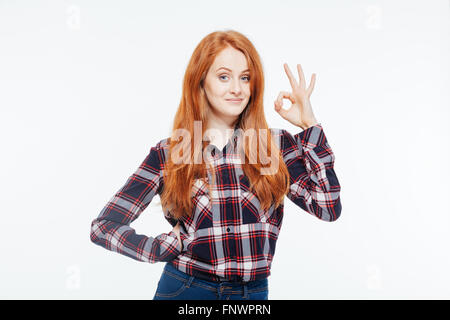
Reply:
x=230 y=69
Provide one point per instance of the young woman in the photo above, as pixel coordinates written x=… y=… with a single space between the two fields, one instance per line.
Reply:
x=226 y=209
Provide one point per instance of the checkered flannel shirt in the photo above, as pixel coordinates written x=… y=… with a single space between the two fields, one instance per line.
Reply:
x=228 y=237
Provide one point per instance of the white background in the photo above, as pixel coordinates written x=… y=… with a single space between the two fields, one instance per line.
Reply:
x=87 y=87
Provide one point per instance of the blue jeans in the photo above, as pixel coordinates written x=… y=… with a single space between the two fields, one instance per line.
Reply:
x=177 y=285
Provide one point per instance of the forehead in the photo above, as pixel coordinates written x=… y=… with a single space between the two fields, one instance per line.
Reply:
x=230 y=58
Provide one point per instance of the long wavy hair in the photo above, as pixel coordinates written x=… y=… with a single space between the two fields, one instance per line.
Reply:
x=179 y=177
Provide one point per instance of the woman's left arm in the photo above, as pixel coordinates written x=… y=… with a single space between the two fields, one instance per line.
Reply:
x=314 y=185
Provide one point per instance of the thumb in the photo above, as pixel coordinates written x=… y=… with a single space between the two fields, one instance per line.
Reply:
x=282 y=112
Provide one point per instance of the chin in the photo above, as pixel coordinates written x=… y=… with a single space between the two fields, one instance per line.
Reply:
x=235 y=112
x=230 y=111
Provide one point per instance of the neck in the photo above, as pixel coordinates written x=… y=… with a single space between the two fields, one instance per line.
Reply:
x=219 y=129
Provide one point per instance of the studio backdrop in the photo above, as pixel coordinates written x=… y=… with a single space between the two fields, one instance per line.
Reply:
x=88 y=87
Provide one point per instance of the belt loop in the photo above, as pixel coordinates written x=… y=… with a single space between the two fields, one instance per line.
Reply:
x=188 y=284
x=220 y=290
x=245 y=291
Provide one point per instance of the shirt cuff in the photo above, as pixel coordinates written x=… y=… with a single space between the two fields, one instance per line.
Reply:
x=310 y=138
x=172 y=240
x=180 y=247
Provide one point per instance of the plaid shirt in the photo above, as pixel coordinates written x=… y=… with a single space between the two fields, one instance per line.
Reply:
x=228 y=237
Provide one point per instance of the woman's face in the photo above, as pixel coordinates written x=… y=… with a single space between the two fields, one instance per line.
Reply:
x=222 y=84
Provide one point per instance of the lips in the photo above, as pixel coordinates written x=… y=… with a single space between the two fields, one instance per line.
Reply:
x=234 y=100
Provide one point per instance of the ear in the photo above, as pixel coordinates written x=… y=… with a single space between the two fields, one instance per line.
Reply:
x=202 y=83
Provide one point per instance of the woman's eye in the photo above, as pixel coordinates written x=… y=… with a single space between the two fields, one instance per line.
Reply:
x=248 y=78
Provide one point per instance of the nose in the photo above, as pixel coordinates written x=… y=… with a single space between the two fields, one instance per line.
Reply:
x=236 y=87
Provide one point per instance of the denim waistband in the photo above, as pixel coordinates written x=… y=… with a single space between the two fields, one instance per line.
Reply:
x=250 y=284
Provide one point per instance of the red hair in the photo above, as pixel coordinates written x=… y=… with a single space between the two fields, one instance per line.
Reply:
x=179 y=177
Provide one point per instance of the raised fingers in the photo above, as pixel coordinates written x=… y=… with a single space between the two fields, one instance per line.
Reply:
x=290 y=76
x=301 y=76
x=311 y=85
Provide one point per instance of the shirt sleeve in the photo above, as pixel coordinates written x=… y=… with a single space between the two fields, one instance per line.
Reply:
x=111 y=229
x=314 y=186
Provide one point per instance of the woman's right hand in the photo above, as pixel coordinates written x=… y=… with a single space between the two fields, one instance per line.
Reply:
x=176 y=229
x=300 y=112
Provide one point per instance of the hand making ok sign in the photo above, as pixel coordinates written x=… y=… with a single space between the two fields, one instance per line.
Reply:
x=300 y=113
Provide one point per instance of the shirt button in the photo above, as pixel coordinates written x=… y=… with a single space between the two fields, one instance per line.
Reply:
x=228 y=229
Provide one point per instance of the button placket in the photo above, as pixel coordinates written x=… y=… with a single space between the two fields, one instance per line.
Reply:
x=230 y=229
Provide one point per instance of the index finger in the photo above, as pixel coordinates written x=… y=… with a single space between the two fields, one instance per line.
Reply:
x=290 y=76
x=301 y=75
